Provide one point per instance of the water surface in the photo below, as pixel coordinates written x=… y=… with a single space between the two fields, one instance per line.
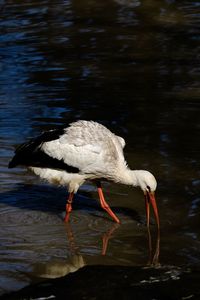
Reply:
x=134 y=67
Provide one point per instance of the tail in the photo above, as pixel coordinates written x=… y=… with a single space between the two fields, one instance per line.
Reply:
x=30 y=153
x=22 y=154
x=19 y=158
x=13 y=163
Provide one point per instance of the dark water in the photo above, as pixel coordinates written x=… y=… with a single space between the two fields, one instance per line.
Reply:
x=131 y=65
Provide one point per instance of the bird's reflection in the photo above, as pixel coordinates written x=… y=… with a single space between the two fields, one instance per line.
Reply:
x=105 y=238
x=153 y=244
x=70 y=237
x=154 y=252
x=59 y=268
x=55 y=268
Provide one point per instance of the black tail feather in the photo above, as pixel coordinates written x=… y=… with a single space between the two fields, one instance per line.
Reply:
x=12 y=163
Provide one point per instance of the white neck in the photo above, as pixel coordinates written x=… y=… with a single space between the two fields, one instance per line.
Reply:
x=141 y=178
x=129 y=177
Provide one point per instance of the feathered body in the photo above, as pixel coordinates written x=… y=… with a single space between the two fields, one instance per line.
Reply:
x=86 y=150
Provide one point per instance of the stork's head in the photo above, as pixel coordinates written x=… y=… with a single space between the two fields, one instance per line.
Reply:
x=147 y=182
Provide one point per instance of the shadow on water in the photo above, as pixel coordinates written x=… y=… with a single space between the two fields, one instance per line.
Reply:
x=52 y=200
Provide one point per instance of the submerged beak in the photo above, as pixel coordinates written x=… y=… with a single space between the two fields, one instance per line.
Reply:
x=150 y=199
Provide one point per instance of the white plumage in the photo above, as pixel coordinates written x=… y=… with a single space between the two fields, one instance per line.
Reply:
x=86 y=150
x=90 y=147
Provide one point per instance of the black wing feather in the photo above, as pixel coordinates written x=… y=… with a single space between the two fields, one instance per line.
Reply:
x=30 y=153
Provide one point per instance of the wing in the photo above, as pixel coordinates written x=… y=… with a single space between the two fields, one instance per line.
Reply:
x=84 y=146
x=88 y=146
x=31 y=153
x=78 y=156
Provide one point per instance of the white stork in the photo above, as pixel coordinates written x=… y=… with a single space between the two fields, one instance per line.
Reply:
x=86 y=150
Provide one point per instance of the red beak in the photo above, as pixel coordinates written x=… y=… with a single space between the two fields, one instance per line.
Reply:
x=150 y=199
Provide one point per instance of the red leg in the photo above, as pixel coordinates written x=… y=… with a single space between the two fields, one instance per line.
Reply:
x=104 y=204
x=69 y=206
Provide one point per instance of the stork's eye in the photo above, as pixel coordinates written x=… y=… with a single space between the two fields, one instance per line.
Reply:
x=148 y=188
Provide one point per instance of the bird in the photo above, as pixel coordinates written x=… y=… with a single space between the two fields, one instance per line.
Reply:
x=84 y=151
